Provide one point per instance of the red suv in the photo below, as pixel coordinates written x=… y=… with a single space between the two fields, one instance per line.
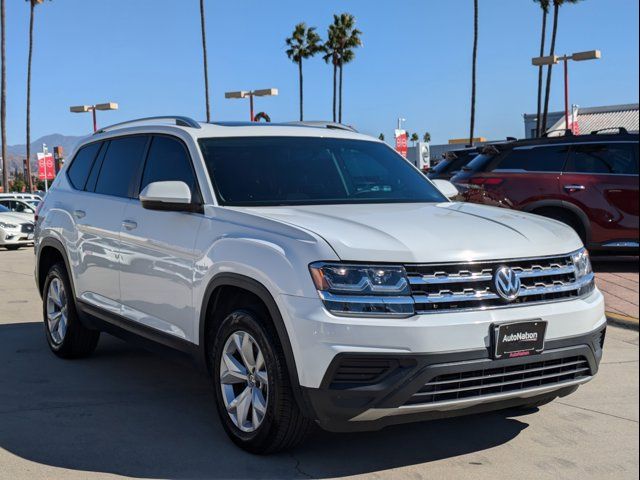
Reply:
x=589 y=182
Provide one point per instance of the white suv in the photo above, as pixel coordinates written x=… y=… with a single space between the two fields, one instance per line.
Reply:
x=318 y=276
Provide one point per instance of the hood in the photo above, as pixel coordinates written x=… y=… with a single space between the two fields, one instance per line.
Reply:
x=11 y=217
x=427 y=233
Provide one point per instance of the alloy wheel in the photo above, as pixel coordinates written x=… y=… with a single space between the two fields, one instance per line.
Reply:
x=244 y=381
x=57 y=304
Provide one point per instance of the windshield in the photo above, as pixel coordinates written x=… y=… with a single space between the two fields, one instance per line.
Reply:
x=269 y=171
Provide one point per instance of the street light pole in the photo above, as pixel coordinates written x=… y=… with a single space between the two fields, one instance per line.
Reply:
x=267 y=92
x=576 y=57
x=92 y=109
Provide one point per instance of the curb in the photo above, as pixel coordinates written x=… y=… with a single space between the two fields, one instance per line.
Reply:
x=622 y=321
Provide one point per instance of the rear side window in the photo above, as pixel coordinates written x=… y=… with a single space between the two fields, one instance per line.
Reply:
x=541 y=159
x=621 y=159
x=121 y=163
x=168 y=160
x=81 y=165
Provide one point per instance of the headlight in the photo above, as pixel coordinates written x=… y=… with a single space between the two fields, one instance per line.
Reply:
x=363 y=290
x=8 y=225
x=582 y=263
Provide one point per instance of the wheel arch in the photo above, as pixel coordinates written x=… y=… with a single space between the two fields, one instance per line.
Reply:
x=51 y=250
x=565 y=206
x=209 y=301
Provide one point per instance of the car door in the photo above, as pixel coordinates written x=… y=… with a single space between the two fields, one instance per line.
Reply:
x=98 y=212
x=157 y=269
x=602 y=180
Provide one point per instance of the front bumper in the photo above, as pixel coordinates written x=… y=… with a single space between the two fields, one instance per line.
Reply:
x=391 y=395
x=421 y=348
x=15 y=237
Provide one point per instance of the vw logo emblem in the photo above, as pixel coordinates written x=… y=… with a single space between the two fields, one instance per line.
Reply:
x=507 y=283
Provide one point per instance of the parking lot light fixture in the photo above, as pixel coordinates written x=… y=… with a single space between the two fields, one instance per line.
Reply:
x=265 y=92
x=554 y=59
x=92 y=109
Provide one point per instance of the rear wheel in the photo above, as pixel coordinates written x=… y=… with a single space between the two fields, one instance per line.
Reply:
x=253 y=392
x=66 y=335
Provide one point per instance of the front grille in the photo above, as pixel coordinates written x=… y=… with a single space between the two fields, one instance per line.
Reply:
x=471 y=286
x=491 y=381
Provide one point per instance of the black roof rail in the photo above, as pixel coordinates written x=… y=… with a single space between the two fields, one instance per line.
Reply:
x=180 y=121
x=567 y=132
x=512 y=139
x=621 y=130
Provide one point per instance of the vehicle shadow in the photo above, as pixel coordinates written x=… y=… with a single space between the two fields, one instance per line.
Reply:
x=128 y=412
x=608 y=264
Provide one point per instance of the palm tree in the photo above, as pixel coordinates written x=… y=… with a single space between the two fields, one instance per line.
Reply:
x=3 y=101
x=473 y=70
x=556 y=9
x=331 y=54
x=426 y=137
x=304 y=43
x=204 y=61
x=348 y=40
x=414 y=138
x=32 y=5
x=544 y=5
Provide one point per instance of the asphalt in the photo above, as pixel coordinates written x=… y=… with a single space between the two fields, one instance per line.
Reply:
x=128 y=413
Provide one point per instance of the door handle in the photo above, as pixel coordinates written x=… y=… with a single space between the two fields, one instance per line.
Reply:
x=79 y=213
x=129 y=224
x=574 y=188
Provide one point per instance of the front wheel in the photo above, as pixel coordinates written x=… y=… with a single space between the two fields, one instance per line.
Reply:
x=12 y=247
x=253 y=392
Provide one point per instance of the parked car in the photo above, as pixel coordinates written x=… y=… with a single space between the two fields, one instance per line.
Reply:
x=337 y=286
x=451 y=163
x=589 y=182
x=22 y=208
x=21 y=196
x=15 y=231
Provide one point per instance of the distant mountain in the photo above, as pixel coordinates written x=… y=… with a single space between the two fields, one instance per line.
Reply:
x=53 y=140
x=16 y=153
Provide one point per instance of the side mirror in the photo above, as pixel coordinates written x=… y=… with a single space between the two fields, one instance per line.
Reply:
x=168 y=196
x=447 y=188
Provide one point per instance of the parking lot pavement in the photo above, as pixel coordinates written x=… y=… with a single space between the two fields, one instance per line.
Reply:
x=618 y=280
x=128 y=413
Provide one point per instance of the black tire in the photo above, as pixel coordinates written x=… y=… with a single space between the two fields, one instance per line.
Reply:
x=78 y=341
x=12 y=247
x=284 y=426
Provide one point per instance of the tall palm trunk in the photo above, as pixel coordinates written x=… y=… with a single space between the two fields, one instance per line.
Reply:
x=301 y=90
x=204 y=58
x=552 y=51
x=31 y=17
x=335 y=76
x=540 y=72
x=3 y=101
x=340 y=96
x=473 y=71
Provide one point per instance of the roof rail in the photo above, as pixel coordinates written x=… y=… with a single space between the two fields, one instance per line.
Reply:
x=620 y=130
x=324 y=124
x=180 y=121
x=567 y=132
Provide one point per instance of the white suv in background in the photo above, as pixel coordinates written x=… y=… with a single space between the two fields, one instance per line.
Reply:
x=316 y=275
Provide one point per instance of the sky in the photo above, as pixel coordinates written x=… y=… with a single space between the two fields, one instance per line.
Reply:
x=415 y=63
